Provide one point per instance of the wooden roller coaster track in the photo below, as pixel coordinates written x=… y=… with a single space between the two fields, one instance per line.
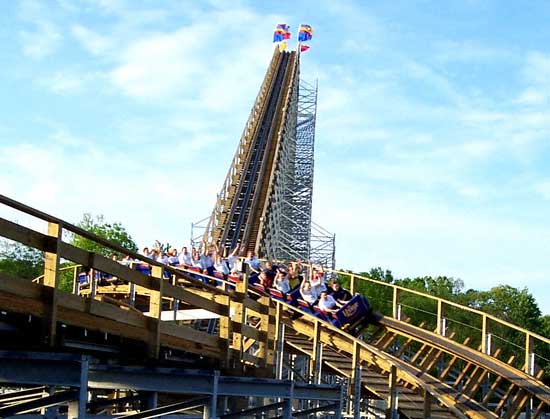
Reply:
x=418 y=372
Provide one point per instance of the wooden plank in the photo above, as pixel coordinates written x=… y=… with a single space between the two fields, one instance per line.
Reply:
x=226 y=330
x=51 y=279
x=155 y=310
x=27 y=236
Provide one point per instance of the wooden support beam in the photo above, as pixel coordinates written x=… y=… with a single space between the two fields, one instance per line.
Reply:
x=263 y=352
x=451 y=363
x=279 y=341
x=516 y=405
x=504 y=399
x=155 y=310
x=475 y=381
x=538 y=410
x=391 y=411
x=315 y=360
x=418 y=353
x=51 y=279
x=429 y=361
x=427 y=405
x=225 y=331
x=496 y=383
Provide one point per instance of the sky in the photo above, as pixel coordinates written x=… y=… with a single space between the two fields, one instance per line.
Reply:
x=432 y=137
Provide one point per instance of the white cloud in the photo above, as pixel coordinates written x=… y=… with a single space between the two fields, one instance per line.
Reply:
x=159 y=66
x=543 y=189
x=537 y=68
x=531 y=96
x=44 y=39
x=68 y=81
x=94 y=43
x=468 y=51
x=41 y=42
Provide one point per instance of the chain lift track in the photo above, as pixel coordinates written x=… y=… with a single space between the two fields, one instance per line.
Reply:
x=266 y=200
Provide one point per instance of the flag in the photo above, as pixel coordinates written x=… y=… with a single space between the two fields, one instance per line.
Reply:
x=282 y=46
x=278 y=37
x=304 y=48
x=281 y=32
x=305 y=33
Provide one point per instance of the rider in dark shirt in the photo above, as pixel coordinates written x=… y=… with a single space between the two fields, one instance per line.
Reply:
x=339 y=294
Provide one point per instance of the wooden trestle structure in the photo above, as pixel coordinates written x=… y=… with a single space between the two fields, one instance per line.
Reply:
x=407 y=368
x=114 y=350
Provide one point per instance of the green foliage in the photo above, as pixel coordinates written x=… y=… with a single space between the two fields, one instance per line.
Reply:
x=21 y=261
x=114 y=232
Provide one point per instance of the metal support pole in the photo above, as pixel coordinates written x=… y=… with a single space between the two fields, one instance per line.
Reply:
x=80 y=405
x=279 y=339
x=176 y=308
x=484 y=331
x=395 y=303
x=391 y=412
x=440 y=319
x=357 y=392
x=287 y=409
x=210 y=409
x=132 y=294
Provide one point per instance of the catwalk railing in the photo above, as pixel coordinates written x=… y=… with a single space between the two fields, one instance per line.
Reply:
x=164 y=284
x=485 y=331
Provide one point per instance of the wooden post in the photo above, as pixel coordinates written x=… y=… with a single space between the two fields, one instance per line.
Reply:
x=395 y=303
x=484 y=331
x=279 y=342
x=440 y=314
x=427 y=405
x=240 y=316
x=392 y=396
x=75 y=281
x=352 y=285
x=155 y=310
x=226 y=330
x=315 y=361
x=51 y=279
x=265 y=352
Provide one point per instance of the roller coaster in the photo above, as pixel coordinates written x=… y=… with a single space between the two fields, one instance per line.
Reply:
x=170 y=342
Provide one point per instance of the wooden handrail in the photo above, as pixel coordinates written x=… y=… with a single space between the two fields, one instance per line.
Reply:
x=442 y=300
x=65 y=268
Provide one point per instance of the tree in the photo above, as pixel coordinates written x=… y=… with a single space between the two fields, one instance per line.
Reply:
x=20 y=261
x=114 y=232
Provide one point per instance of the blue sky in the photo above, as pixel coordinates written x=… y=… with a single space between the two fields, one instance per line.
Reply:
x=433 y=123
